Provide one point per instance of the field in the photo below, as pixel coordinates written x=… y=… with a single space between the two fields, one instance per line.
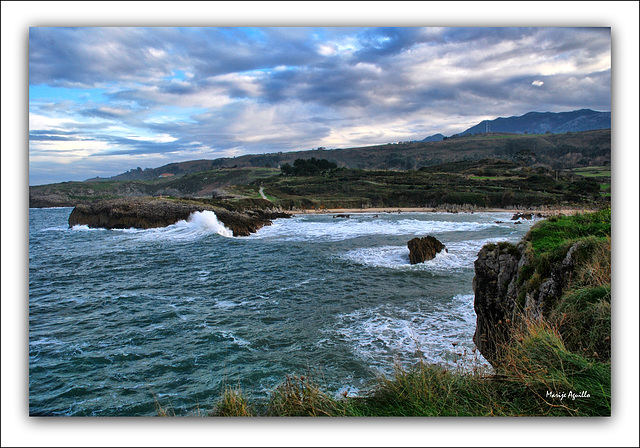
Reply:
x=600 y=174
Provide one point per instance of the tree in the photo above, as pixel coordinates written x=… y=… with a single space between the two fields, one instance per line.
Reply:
x=308 y=167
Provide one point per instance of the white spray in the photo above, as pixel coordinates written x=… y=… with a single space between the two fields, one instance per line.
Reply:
x=208 y=221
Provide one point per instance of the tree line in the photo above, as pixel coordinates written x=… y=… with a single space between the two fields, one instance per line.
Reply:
x=308 y=167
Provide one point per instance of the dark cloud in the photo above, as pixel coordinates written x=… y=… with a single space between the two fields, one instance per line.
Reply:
x=92 y=56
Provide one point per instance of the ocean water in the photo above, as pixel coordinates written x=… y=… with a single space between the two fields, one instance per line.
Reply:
x=121 y=318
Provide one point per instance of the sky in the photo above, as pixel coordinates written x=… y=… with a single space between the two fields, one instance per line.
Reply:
x=104 y=100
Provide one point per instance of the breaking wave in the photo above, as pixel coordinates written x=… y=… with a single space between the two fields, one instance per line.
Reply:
x=323 y=228
x=197 y=225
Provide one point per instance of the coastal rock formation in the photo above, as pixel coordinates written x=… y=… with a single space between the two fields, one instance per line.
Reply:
x=505 y=291
x=521 y=215
x=424 y=249
x=494 y=286
x=146 y=213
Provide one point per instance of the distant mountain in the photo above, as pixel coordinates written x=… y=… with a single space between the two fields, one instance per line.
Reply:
x=545 y=122
x=433 y=138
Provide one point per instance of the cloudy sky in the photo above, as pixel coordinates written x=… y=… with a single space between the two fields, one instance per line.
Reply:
x=105 y=100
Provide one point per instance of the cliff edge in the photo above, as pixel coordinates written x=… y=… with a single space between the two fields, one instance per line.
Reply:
x=559 y=272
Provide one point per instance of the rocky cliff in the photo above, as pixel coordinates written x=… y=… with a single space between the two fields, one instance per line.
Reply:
x=146 y=213
x=511 y=284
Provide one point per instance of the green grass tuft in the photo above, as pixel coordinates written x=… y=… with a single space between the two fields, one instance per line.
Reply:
x=547 y=235
x=233 y=403
x=299 y=396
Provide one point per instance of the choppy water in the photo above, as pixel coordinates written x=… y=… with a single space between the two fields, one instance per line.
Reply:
x=120 y=318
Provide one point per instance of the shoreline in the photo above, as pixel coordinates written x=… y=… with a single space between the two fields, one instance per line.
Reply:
x=392 y=210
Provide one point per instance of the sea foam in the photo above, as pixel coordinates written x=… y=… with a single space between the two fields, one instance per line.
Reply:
x=459 y=255
x=198 y=224
x=439 y=334
x=208 y=221
x=326 y=229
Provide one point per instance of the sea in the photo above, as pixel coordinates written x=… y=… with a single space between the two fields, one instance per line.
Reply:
x=124 y=321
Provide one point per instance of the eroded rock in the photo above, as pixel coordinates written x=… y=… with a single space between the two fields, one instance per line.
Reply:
x=506 y=291
x=146 y=213
x=424 y=249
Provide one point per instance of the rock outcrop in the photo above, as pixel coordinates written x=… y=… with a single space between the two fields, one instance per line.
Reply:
x=146 y=213
x=494 y=286
x=506 y=291
x=424 y=249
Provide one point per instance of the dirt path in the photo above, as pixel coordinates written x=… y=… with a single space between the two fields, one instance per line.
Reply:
x=262 y=193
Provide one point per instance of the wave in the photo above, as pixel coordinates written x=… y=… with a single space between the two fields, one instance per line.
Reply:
x=323 y=228
x=198 y=224
x=207 y=221
x=77 y=227
x=438 y=333
x=234 y=339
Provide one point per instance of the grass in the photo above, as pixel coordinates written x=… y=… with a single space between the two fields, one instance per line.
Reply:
x=233 y=403
x=583 y=317
x=593 y=171
x=300 y=396
x=554 y=232
x=427 y=390
x=539 y=364
x=475 y=183
x=489 y=183
x=494 y=178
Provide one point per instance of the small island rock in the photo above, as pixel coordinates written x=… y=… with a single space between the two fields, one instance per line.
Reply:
x=424 y=249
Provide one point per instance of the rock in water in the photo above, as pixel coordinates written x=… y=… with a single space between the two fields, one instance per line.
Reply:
x=518 y=216
x=424 y=249
x=147 y=213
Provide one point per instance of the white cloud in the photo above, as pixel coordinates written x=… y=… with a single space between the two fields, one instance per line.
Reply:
x=537 y=83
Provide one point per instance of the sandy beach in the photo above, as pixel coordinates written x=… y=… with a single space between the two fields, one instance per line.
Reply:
x=347 y=211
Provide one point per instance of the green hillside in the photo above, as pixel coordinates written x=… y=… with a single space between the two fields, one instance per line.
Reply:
x=488 y=170
x=557 y=151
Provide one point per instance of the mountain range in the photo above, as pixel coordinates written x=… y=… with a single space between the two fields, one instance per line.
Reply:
x=545 y=123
